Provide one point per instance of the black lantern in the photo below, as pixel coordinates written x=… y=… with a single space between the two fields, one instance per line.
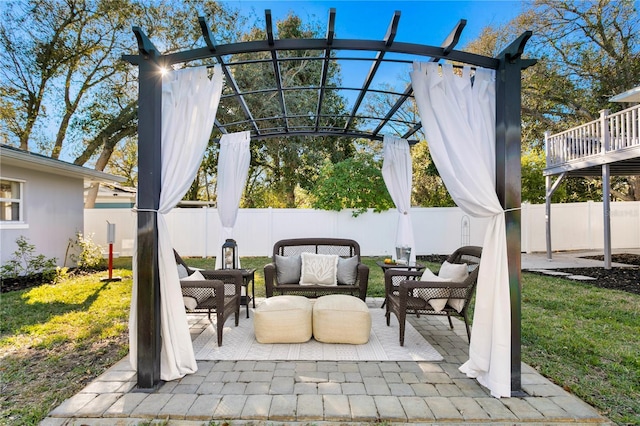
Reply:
x=230 y=254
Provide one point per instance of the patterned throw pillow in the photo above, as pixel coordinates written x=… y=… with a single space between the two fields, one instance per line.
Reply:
x=319 y=269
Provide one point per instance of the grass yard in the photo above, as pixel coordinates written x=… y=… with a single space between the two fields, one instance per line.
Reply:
x=54 y=339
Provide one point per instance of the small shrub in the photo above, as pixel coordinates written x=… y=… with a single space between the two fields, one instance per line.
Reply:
x=90 y=256
x=26 y=263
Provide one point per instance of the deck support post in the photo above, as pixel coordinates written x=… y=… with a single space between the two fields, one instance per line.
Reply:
x=606 y=188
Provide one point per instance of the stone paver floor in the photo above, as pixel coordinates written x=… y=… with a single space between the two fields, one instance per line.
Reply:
x=327 y=392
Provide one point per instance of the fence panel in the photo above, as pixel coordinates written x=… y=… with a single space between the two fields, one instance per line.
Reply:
x=195 y=231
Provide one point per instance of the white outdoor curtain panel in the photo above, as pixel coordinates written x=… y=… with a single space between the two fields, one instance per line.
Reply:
x=458 y=116
x=397 y=173
x=233 y=168
x=189 y=104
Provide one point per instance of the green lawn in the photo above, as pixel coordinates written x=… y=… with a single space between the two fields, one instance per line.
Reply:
x=54 y=339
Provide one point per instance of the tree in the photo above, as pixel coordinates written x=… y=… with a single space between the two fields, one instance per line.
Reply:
x=588 y=52
x=355 y=183
x=64 y=86
x=282 y=168
x=428 y=189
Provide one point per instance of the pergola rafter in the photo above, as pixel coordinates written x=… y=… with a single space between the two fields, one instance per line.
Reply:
x=508 y=65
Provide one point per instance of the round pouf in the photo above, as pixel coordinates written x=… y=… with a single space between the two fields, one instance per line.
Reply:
x=283 y=319
x=339 y=318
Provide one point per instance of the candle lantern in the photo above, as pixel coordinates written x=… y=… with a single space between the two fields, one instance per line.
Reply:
x=230 y=254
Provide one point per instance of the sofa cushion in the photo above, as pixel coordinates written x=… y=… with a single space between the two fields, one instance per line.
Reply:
x=347 y=270
x=288 y=269
x=319 y=269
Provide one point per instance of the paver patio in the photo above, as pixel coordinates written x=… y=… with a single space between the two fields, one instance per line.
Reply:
x=268 y=392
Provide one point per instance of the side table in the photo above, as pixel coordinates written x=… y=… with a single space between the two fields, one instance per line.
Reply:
x=248 y=276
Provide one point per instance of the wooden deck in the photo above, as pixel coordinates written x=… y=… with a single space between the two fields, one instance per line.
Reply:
x=612 y=139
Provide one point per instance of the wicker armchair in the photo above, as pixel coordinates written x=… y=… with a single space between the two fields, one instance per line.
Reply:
x=405 y=293
x=220 y=291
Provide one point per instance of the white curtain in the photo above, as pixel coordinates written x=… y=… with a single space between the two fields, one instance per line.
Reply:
x=189 y=104
x=233 y=167
x=397 y=173
x=458 y=116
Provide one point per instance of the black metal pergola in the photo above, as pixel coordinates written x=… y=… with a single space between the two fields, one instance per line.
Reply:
x=288 y=122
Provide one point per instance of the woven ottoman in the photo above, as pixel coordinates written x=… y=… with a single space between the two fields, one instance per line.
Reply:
x=283 y=319
x=339 y=318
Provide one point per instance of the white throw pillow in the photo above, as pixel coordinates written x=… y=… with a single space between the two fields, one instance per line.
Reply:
x=458 y=272
x=456 y=304
x=190 y=299
x=196 y=276
x=439 y=303
x=190 y=303
x=319 y=269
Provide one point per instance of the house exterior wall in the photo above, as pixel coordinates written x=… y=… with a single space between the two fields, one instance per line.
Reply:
x=53 y=213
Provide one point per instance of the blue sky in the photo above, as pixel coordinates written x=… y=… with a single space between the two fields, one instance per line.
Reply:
x=424 y=22
x=421 y=22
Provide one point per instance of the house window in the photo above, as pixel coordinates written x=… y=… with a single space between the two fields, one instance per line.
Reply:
x=11 y=200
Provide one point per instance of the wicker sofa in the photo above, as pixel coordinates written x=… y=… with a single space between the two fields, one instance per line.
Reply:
x=283 y=275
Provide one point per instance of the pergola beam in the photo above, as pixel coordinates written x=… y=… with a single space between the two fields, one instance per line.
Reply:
x=325 y=65
x=448 y=44
x=276 y=69
x=206 y=34
x=388 y=41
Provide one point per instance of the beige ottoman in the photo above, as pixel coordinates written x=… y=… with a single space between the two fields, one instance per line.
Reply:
x=283 y=319
x=339 y=318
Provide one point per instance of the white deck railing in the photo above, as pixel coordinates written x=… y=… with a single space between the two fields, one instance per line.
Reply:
x=609 y=133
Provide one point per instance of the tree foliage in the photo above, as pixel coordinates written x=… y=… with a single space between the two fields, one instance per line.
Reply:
x=64 y=85
x=587 y=52
x=354 y=183
x=283 y=167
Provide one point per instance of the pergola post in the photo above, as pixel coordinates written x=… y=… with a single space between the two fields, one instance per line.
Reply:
x=149 y=181
x=508 y=182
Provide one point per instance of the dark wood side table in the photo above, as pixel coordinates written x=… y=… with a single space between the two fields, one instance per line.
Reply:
x=248 y=276
x=408 y=266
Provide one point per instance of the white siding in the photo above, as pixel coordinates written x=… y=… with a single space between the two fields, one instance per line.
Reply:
x=53 y=212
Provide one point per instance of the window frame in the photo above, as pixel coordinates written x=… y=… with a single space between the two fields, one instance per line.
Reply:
x=20 y=223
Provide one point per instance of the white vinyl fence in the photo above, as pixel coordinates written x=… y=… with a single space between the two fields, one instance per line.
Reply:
x=194 y=231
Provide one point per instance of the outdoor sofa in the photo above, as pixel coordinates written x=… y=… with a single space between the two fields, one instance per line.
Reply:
x=315 y=267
